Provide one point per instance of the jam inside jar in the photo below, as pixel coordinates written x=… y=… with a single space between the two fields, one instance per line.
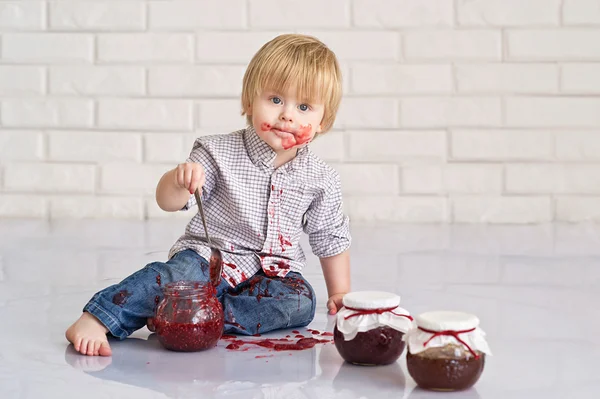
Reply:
x=370 y=328
x=446 y=351
x=189 y=317
x=449 y=368
x=379 y=346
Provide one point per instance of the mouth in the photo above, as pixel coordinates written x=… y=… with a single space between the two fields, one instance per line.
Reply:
x=283 y=133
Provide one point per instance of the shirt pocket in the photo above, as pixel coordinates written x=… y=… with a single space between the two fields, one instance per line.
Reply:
x=294 y=203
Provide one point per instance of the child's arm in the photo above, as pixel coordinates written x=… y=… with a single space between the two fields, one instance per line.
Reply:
x=336 y=270
x=175 y=187
x=328 y=232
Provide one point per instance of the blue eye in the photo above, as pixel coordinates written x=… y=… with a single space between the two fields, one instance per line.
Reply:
x=276 y=100
x=303 y=107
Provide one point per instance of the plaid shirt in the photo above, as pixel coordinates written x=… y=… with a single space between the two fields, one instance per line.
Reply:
x=256 y=213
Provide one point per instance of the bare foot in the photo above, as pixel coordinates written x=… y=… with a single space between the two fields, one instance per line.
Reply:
x=88 y=336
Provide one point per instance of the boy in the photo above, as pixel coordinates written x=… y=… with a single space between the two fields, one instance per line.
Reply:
x=261 y=187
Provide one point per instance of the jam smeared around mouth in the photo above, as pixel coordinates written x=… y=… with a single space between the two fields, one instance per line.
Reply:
x=292 y=139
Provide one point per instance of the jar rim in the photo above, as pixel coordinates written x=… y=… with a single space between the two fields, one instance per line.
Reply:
x=186 y=288
x=371 y=300
x=444 y=320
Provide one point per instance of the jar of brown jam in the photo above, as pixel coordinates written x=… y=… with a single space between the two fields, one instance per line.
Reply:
x=370 y=327
x=446 y=350
x=189 y=317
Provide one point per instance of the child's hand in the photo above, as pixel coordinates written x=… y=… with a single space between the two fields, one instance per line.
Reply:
x=335 y=303
x=190 y=176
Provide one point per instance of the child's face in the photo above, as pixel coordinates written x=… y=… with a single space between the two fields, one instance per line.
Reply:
x=283 y=121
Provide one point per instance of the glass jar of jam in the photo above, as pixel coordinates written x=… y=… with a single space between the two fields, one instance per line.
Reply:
x=189 y=317
x=370 y=327
x=446 y=350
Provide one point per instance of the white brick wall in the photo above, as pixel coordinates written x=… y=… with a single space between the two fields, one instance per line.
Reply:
x=468 y=111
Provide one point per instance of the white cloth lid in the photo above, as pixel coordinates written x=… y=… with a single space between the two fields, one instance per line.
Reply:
x=447 y=320
x=371 y=300
x=350 y=323
x=419 y=340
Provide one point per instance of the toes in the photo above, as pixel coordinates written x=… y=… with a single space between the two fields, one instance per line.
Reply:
x=90 y=349
x=83 y=346
x=96 y=347
x=104 y=349
x=77 y=344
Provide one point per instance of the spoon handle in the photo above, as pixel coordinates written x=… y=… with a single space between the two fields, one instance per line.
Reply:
x=199 y=202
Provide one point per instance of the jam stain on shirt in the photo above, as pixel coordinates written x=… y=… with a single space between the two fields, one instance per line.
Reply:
x=120 y=297
x=284 y=242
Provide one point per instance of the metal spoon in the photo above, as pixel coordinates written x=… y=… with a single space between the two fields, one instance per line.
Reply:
x=215 y=262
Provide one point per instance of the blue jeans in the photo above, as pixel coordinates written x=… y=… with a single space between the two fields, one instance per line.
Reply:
x=258 y=305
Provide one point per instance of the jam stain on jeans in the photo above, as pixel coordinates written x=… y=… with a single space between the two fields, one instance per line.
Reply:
x=120 y=297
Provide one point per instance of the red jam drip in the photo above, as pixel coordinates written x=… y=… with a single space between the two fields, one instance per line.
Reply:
x=451 y=333
x=215 y=270
x=360 y=312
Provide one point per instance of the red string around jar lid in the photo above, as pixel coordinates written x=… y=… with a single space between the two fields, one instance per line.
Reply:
x=360 y=312
x=451 y=333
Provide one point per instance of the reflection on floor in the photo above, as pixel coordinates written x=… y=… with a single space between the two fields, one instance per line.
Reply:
x=536 y=290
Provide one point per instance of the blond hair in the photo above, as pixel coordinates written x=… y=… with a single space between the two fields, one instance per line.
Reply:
x=299 y=61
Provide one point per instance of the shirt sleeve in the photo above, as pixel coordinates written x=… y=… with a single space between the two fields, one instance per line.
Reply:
x=327 y=226
x=201 y=154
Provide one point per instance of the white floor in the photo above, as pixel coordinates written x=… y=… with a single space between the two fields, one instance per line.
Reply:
x=536 y=290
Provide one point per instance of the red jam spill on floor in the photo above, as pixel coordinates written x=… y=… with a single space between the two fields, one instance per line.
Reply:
x=317 y=332
x=281 y=344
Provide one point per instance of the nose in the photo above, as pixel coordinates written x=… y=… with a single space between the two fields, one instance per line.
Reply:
x=286 y=115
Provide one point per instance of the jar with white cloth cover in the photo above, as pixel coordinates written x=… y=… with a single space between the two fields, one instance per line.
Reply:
x=446 y=350
x=370 y=326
